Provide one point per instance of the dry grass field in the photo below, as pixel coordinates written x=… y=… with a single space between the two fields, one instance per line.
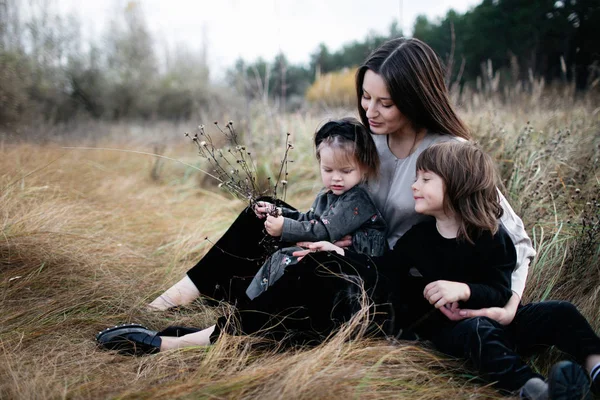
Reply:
x=88 y=237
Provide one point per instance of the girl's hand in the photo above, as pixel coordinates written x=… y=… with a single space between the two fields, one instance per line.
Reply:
x=346 y=241
x=274 y=225
x=440 y=293
x=263 y=208
x=312 y=247
x=503 y=315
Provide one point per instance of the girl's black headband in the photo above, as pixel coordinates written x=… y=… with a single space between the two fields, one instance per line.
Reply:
x=336 y=128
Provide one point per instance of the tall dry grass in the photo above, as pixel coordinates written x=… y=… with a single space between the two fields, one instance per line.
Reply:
x=91 y=236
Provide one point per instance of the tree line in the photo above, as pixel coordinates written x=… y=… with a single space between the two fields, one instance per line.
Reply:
x=556 y=40
x=48 y=71
x=522 y=39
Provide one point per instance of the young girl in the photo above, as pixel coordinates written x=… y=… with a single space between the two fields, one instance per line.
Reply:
x=463 y=256
x=347 y=158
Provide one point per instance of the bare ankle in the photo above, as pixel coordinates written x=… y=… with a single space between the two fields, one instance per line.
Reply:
x=161 y=303
x=180 y=294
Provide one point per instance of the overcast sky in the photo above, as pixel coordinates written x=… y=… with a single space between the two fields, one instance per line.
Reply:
x=261 y=28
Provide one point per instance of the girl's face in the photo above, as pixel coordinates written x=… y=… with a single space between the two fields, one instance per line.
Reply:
x=428 y=192
x=384 y=117
x=337 y=174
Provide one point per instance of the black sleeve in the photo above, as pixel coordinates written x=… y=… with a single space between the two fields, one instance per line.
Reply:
x=498 y=259
x=394 y=264
x=335 y=223
x=297 y=215
x=301 y=216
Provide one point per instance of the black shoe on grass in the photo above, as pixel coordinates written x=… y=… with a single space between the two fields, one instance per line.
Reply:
x=129 y=339
x=569 y=381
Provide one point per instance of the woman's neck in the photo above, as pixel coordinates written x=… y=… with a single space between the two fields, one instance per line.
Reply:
x=404 y=142
x=447 y=226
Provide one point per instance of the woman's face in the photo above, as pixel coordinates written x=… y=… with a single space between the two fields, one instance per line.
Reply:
x=384 y=117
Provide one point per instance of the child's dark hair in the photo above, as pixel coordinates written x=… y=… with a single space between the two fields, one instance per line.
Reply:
x=470 y=179
x=349 y=135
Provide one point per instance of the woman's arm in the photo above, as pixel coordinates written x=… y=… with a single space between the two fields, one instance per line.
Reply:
x=525 y=251
x=503 y=315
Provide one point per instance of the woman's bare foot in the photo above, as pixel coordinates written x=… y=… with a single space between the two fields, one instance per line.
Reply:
x=180 y=294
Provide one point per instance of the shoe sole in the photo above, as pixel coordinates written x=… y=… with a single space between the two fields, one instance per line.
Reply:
x=114 y=328
x=568 y=381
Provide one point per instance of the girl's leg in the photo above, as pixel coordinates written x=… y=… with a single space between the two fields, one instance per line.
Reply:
x=226 y=270
x=304 y=306
x=488 y=346
x=557 y=323
x=593 y=361
x=201 y=338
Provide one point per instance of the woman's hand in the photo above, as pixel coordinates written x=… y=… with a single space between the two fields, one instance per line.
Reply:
x=263 y=208
x=274 y=225
x=502 y=315
x=312 y=247
x=440 y=293
x=346 y=241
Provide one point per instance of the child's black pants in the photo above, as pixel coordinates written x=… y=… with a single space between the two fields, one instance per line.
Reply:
x=496 y=350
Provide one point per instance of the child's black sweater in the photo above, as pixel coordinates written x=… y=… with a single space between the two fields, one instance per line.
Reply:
x=422 y=256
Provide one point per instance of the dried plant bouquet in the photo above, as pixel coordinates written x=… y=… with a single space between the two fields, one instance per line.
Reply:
x=235 y=169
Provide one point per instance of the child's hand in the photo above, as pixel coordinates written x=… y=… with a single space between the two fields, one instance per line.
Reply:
x=312 y=247
x=263 y=208
x=440 y=293
x=274 y=225
x=346 y=241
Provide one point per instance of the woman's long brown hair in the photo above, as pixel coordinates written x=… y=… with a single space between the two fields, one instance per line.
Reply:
x=414 y=78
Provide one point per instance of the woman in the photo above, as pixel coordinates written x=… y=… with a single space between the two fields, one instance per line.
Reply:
x=402 y=98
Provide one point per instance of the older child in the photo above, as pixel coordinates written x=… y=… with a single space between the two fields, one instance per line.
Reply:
x=347 y=159
x=464 y=256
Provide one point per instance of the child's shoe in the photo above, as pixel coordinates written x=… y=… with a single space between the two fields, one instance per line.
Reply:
x=568 y=381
